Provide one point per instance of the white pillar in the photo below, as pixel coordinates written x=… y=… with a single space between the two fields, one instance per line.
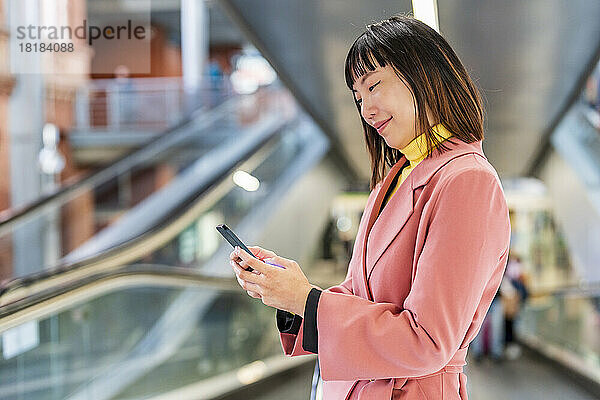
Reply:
x=26 y=119
x=26 y=112
x=194 y=48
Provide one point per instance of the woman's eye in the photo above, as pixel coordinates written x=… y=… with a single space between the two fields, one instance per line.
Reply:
x=373 y=87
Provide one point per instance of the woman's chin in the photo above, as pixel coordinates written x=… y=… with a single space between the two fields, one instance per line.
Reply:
x=390 y=143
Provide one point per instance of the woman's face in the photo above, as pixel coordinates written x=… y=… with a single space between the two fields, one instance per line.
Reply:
x=386 y=103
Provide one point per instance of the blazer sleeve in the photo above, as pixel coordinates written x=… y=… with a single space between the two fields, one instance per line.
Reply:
x=468 y=233
x=292 y=343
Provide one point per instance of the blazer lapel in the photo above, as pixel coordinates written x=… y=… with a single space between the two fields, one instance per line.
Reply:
x=381 y=231
x=373 y=212
x=390 y=221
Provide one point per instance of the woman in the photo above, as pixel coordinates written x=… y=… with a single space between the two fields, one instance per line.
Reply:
x=433 y=241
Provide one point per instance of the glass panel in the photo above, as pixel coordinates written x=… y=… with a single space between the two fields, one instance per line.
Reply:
x=568 y=322
x=199 y=241
x=137 y=342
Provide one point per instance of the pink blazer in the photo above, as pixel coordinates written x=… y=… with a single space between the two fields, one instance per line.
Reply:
x=421 y=279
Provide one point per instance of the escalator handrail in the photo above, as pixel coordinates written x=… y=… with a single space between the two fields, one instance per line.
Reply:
x=167 y=275
x=190 y=275
x=592 y=289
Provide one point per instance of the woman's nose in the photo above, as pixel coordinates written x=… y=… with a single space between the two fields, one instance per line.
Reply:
x=368 y=110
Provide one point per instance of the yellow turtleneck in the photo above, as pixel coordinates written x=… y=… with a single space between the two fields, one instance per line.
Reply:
x=415 y=152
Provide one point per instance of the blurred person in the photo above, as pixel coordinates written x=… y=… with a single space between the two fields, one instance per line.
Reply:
x=433 y=241
x=124 y=94
x=596 y=306
x=514 y=303
x=215 y=72
x=328 y=237
x=492 y=328
x=215 y=83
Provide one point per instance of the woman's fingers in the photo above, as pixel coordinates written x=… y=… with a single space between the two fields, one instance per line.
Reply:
x=249 y=261
x=237 y=260
x=256 y=251
x=249 y=286
x=233 y=256
x=284 y=262
x=247 y=276
x=251 y=293
x=260 y=252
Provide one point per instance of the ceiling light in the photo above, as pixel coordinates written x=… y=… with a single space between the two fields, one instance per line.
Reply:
x=246 y=181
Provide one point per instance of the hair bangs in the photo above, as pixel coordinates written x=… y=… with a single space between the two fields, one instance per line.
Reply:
x=363 y=56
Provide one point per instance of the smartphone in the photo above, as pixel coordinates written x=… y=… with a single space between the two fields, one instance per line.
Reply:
x=235 y=241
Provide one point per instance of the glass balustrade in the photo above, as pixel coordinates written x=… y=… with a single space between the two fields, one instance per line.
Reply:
x=135 y=341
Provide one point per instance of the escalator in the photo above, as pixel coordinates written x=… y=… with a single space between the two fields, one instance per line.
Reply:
x=147 y=307
x=189 y=160
x=141 y=332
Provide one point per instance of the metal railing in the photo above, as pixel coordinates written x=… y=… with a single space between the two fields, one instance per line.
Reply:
x=140 y=103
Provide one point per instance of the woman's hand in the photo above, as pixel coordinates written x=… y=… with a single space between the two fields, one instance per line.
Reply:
x=283 y=288
x=258 y=252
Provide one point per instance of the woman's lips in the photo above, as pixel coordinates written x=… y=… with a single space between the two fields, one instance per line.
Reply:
x=382 y=127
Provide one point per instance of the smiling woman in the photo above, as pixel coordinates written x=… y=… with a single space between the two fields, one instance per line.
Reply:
x=432 y=243
x=386 y=104
x=403 y=69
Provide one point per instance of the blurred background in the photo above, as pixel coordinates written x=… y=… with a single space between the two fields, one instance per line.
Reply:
x=120 y=154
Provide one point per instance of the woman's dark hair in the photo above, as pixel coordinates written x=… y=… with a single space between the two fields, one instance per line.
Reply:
x=436 y=77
